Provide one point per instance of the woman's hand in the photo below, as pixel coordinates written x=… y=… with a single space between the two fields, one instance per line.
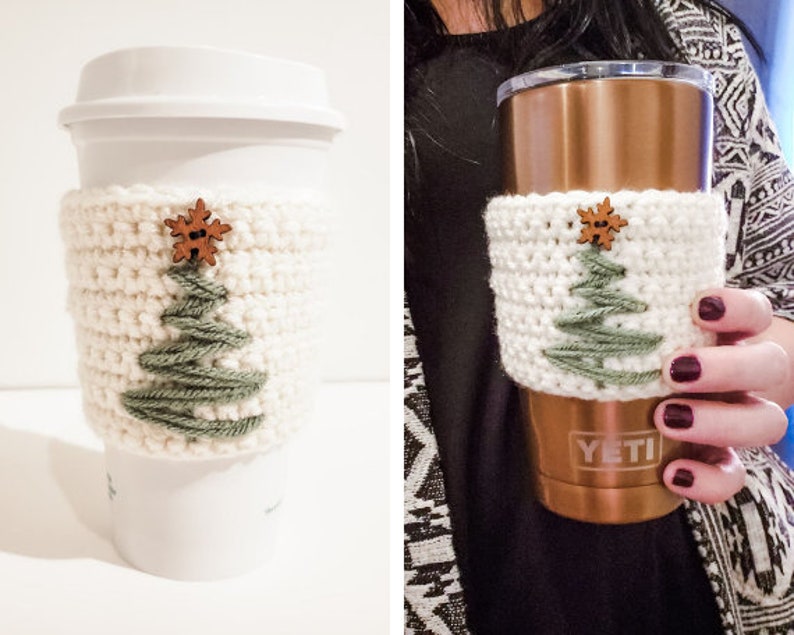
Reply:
x=720 y=411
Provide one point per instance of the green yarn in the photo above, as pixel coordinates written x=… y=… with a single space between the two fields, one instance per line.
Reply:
x=597 y=341
x=189 y=384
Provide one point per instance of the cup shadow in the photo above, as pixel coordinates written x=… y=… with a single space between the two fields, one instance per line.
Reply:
x=53 y=499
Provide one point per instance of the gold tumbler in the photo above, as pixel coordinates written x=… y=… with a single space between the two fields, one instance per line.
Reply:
x=603 y=126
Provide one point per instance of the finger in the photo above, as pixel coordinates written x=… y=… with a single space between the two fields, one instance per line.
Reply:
x=712 y=482
x=750 y=423
x=758 y=366
x=741 y=312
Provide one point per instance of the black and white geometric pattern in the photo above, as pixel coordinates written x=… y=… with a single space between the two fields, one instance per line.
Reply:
x=433 y=595
x=747 y=543
x=749 y=168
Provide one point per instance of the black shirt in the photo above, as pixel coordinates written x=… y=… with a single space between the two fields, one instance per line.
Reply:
x=524 y=569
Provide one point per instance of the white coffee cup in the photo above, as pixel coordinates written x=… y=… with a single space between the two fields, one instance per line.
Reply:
x=183 y=116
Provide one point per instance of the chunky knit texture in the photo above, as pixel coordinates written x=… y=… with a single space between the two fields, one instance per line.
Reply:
x=672 y=248
x=118 y=254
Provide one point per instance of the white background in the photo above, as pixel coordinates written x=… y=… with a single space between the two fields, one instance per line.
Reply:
x=59 y=573
x=44 y=45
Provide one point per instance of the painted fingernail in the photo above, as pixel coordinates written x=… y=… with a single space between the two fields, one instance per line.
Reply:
x=711 y=308
x=678 y=416
x=683 y=478
x=686 y=368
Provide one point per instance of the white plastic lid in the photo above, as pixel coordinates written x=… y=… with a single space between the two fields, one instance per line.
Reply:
x=608 y=69
x=200 y=82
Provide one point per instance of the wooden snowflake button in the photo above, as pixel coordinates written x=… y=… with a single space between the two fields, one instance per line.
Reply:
x=196 y=235
x=600 y=225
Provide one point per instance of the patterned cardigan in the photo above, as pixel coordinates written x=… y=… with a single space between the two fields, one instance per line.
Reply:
x=747 y=543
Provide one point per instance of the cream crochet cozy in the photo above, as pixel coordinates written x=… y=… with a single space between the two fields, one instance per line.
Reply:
x=671 y=249
x=118 y=250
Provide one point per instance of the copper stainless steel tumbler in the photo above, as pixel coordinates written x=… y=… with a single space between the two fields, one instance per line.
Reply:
x=603 y=127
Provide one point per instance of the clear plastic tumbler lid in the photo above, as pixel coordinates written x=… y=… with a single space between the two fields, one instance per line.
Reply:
x=613 y=69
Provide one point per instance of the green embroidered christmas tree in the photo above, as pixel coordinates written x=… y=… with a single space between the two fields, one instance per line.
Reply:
x=595 y=341
x=188 y=380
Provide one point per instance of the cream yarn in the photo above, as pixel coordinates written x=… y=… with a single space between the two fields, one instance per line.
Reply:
x=117 y=252
x=672 y=248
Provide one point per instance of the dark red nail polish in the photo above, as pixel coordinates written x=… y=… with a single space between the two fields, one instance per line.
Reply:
x=683 y=478
x=686 y=368
x=678 y=416
x=711 y=308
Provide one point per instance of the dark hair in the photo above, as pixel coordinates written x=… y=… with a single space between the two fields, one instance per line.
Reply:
x=566 y=30
x=576 y=29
